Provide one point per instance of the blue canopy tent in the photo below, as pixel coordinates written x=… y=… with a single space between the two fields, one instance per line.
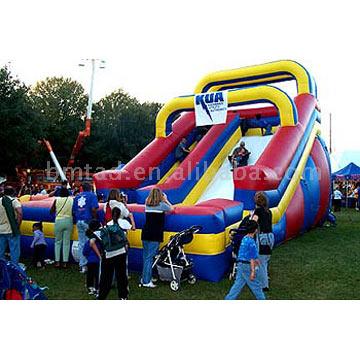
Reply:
x=349 y=172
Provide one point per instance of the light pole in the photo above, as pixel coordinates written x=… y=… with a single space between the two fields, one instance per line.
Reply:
x=94 y=63
x=86 y=132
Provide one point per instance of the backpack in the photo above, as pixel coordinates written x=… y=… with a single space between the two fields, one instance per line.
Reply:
x=108 y=215
x=238 y=234
x=10 y=213
x=245 y=223
x=113 y=238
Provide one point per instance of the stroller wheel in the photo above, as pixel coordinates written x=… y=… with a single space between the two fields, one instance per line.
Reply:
x=192 y=279
x=174 y=285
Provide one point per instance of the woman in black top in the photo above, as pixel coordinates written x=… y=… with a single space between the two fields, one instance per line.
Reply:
x=153 y=232
x=265 y=238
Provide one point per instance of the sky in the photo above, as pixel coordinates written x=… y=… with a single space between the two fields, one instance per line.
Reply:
x=156 y=50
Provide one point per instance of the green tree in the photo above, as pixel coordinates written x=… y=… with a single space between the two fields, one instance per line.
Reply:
x=122 y=127
x=61 y=105
x=19 y=128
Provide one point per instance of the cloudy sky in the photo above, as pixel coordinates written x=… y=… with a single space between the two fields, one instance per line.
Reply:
x=156 y=50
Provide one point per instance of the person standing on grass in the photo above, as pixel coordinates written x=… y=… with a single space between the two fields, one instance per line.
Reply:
x=84 y=210
x=247 y=266
x=92 y=251
x=337 y=197
x=10 y=221
x=265 y=237
x=357 y=191
x=114 y=260
x=62 y=207
x=153 y=232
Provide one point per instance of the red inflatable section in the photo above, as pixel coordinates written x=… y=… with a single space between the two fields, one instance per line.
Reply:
x=273 y=164
x=295 y=214
x=191 y=161
x=322 y=167
x=139 y=168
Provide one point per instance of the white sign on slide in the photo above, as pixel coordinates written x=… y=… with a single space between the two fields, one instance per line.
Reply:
x=211 y=108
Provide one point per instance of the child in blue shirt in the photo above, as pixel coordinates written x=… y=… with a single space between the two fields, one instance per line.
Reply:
x=92 y=252
x=39 y=245
x=247 y=264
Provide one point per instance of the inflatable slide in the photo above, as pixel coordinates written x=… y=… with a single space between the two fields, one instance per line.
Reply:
x=288 y=161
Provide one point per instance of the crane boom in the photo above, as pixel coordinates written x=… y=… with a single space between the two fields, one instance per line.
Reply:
x=79 y=142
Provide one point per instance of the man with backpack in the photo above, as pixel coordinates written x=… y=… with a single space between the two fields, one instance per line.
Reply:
x=10 y=221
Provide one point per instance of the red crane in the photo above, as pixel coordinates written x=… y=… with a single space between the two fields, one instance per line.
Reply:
x=79 y=142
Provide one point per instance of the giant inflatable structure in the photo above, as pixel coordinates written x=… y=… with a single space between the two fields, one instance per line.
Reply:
x=291 y=165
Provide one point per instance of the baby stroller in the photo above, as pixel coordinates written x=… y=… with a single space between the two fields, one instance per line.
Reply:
x=16 y=285
x=236 y=236
x=171 y=263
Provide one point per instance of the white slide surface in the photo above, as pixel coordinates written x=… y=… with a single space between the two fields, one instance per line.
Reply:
x=222 y=186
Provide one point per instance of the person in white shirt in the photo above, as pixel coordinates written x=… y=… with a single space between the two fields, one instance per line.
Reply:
x=337 y=197
x=116 y=200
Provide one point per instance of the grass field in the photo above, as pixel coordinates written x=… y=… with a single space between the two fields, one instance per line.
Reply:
x=321 y=264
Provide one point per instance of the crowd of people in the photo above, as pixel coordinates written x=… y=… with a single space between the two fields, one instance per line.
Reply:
x=41 y=189
x=348 y=191
x=103 y=245
x=32 y=189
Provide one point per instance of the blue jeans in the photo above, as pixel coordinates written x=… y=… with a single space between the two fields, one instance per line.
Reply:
x=265 y=239
x=242 y=279
x=150 y=248
x=82 y=226
x=264 y=270
x=14 y=245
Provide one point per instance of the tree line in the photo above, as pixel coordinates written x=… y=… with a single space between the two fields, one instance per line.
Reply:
x=54 y=109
